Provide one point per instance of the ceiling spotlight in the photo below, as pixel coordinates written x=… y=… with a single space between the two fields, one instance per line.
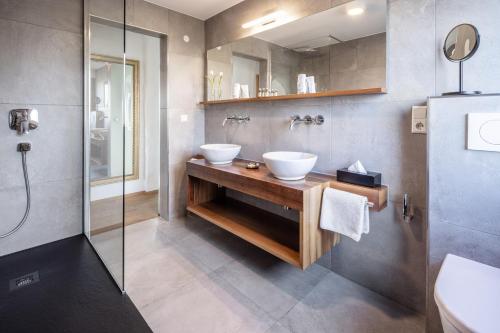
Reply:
x=355 y=11
x=264 y=20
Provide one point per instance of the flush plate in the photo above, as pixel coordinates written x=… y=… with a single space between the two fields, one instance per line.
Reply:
x=483 y=131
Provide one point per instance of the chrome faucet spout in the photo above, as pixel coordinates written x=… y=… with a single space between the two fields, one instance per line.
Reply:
x=239 y=119
x=293 y=121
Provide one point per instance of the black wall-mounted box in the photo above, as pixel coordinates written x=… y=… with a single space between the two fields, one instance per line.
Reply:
x=372 y=179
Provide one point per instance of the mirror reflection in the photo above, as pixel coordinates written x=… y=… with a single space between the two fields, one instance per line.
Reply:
x=108 y=124
x=340 y=49
x=461 y=42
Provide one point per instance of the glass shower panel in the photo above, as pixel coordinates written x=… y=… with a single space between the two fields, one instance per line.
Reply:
x=108 y=92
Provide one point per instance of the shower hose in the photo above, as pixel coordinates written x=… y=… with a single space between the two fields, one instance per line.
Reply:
x=28 y=199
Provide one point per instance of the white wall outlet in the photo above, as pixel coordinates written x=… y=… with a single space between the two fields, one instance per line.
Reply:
x=483 y=131
x=184 y=118
x=419 y=119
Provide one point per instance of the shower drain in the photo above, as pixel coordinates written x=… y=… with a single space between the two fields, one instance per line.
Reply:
x=24 y=281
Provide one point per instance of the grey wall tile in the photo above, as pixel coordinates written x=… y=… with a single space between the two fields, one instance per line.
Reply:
x=185 y=84
x=177 y=189
x=56 y=146
x=57 y=14
x=186 y=137
x=148 y=16
x=56 y=213
x=390 y=259
x=113 y=10
x=449 y=161
x=411 y=60
x=433 y=320
x=181 y=25
x=40 y=65
x=447 y=238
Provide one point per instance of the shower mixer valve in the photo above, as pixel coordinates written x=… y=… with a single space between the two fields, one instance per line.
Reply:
x=23 y=120
x=24 y=146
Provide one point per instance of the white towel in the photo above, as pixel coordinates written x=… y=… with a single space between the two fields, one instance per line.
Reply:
x=345 y=213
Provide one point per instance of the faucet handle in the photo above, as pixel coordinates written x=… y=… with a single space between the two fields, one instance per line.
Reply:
x=23 y=120
x=319 y=120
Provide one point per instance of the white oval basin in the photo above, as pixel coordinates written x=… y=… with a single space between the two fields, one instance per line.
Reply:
x=288 y=165
x=220 y=153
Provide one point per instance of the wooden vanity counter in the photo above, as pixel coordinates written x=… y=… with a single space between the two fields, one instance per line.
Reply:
x=299 y=244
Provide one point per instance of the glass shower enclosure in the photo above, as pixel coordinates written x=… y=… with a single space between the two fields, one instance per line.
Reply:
x=108 y=131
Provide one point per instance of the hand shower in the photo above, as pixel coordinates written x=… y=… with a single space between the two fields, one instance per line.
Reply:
x=23 y=120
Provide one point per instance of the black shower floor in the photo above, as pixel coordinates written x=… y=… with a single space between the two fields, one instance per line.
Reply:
x=74 y=293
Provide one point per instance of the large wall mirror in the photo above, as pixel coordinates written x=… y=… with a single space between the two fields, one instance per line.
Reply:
x=339 y=49
x=110 y=120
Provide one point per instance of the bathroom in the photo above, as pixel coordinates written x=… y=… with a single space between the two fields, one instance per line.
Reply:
x=110 y=105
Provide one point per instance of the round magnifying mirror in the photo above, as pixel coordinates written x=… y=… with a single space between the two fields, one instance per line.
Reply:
x=461 y=43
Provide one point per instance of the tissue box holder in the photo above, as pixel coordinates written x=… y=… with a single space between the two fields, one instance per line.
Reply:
x=372 y=179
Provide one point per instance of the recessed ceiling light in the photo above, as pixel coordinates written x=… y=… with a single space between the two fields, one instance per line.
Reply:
x=264 y=20
x=355 y=11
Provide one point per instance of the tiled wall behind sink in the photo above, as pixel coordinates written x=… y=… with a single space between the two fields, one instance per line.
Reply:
x=374 y=131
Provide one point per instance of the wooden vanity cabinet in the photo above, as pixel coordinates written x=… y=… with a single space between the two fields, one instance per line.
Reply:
x=299 y=244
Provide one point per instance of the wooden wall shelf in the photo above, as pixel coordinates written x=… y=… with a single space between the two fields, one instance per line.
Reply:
x=332 y=93
x=299 y=244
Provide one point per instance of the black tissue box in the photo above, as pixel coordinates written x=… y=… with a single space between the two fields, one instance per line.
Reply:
x=372 y=179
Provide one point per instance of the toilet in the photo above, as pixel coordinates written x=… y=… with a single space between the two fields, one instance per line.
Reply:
x=467 y=294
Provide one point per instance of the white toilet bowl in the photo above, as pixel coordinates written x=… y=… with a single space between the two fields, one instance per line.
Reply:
x=468 y=296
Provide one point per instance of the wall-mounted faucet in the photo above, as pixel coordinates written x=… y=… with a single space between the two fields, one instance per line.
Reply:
x=308 y=120
x=23 y=120
x=239 y=119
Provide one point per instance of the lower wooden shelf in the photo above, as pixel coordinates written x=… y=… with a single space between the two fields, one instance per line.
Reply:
x=272 y=233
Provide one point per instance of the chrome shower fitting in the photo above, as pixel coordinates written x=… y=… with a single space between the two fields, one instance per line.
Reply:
x=239 y=119
x=22 y=147
x=23 y=120
x=308 y=120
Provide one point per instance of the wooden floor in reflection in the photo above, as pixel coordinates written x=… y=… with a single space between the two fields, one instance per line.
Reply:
x=106 y=214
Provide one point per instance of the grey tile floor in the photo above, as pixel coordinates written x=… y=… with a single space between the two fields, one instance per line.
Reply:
x=190 y=276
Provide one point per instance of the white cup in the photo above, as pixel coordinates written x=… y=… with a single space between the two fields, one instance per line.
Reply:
x=302 y=84
x=311 y=85
x=236 y=90
x=245 y=93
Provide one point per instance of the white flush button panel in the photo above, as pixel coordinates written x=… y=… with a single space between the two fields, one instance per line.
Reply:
x=483 y=131
x=419 y=119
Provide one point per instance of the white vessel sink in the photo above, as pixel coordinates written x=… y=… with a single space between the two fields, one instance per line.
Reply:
x=220 y=153
x=288 y=165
